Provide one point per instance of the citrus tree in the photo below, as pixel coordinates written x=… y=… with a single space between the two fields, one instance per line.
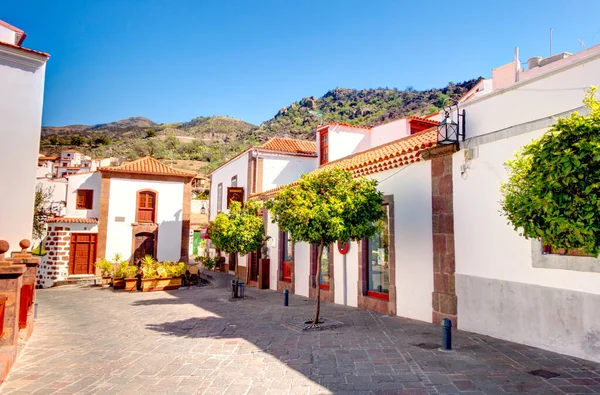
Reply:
x=240 y=230
x=325 y=207
x=553 y=189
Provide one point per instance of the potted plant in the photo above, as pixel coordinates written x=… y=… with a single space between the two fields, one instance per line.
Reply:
x=130 y=273
x=106 y=271
x=161 y=276
x=120 y=274
x=206 y=261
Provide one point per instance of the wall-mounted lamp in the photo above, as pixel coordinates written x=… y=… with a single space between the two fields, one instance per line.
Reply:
x=449 y=131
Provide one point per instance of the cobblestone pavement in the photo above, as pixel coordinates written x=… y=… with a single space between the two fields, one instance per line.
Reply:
x=92 y=340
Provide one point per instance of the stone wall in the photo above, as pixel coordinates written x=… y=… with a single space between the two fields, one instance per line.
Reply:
x=55 y=264
x=444 y=301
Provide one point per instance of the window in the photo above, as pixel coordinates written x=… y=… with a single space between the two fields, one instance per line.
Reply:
x=326 y=260
x=219 y=197
x=286 y=267
x=378 y=261
x=146 y=206
x=325 y=265
x=546 y=249
x=234 y=181
x=85 y=199
x=324 y=154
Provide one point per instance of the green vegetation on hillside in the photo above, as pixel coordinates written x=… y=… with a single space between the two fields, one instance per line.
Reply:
x=213 y=140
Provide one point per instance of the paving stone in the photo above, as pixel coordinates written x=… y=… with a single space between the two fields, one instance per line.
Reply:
x=95 y=341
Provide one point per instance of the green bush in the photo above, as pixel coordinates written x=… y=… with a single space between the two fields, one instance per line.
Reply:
x=105 y=266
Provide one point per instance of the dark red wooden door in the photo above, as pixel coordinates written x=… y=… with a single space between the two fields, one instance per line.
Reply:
x=254 y=262
x=144 y=245
x=83 y=253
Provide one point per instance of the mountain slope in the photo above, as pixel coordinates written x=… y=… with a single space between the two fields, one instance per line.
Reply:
x=212 y=140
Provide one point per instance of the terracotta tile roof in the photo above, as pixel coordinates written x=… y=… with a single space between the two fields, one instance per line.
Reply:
x=385 y=157
x=73 y=220
x=48 y=157
x=147 y=165
x=424 y=119
x=285 y=144
x=342 y=124
x=24 y=49
x=73 y=151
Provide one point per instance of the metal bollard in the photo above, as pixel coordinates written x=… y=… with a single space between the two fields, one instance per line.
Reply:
x=35 y=309
x=286 y=297
x=240 y=289
x=233 y=289
x=446 y=334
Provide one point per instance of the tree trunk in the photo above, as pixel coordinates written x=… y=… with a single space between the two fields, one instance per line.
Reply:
x=317 y=309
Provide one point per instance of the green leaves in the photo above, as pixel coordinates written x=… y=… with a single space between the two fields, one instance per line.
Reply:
x=554 y=183
x=328 y=205
x=239 y=231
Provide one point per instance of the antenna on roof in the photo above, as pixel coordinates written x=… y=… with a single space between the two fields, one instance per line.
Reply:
x=318 y=114
x=581 y=42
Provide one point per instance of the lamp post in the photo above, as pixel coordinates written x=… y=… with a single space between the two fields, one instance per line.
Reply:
x=449 y=131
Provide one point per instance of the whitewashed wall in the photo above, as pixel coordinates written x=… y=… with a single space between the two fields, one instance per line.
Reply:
x=237 y=167
x=389 y=132
x=59 y=192
x=21 y=100
x=411 y=188
x=83 y=181
x=499 y=291
x=345 y=277
x=301 y=268
x=281 y=170
x=7 y=35
x=536 y=98
x=344 y=141
x=122 y=203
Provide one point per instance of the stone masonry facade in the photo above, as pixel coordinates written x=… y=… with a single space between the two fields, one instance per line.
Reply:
x=55 y=264
x=444 y=301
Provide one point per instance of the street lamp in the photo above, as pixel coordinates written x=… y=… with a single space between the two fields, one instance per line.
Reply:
x=449 y=131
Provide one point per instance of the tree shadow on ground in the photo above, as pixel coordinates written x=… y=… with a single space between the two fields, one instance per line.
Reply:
x=371 y=352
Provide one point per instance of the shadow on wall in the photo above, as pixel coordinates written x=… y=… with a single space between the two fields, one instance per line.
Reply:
x=289 y=169
x=163 y=241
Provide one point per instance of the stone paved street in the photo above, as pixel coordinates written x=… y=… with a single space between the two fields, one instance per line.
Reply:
x=92 y=340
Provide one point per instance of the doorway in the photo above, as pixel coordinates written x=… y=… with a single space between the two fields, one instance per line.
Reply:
x=82 y=253
x=145 y=244
x=254 y=266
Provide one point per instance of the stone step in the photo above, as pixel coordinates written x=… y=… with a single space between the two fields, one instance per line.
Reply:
x=89 y=279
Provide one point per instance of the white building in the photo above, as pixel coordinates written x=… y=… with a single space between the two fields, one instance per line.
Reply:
x=140 y=208
x=22 y=73
x=448 y=251
x=277 y=162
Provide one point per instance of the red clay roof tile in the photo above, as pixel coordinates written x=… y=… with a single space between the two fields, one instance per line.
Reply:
x=147 y=165
x=285 y=144
x=73 y=220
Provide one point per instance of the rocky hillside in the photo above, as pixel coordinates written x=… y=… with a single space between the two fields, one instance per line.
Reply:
x=212 y=140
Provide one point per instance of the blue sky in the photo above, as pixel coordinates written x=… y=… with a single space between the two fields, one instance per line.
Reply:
x=175 y=60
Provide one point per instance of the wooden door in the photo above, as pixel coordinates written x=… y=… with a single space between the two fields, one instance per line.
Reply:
x=83 y=253
x=144 y=245
x=232 y=262
x=254 y=262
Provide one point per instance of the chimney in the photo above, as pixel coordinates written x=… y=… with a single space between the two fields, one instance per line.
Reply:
x=533 y=62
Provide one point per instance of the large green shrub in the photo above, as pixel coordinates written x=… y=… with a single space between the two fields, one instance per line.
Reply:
x=554 y=183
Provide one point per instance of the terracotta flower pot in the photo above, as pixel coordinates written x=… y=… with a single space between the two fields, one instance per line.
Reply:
x=160 y=284
x=118 y=283
x=106 y=280
x=131 y=284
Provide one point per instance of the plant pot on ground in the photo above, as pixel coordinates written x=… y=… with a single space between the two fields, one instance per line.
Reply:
x=106 y=271
x=130 y=278
x=161 y=276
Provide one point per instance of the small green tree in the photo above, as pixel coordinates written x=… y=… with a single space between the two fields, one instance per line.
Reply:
x=325 y=207
x=77 y=140
x=553 y=189
x=150 y=133
x=240 y=230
